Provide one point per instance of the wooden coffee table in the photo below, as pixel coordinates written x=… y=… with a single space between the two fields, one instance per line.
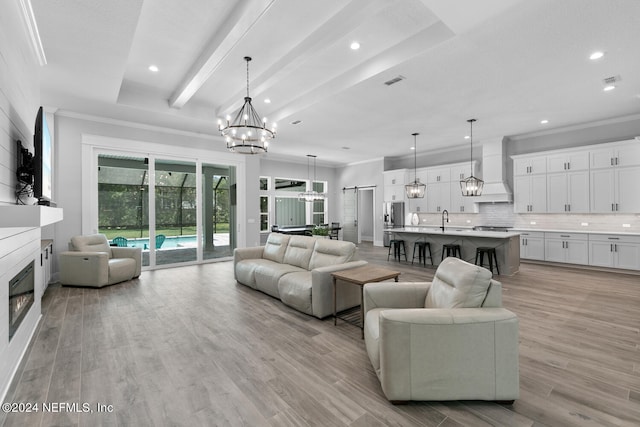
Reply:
x=359 y=276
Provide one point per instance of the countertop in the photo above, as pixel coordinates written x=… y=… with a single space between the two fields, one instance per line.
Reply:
x=550 y=230
x=455 y=231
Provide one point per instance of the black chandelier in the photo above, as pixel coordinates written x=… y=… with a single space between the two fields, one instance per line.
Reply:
x=247 y=133
x=415 y=189
x=471 y=186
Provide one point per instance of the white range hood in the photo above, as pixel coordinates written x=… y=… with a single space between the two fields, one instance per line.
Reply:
x=495 y=188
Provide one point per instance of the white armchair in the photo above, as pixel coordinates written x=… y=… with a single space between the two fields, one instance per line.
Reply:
x=92 y=262
x=448 y=339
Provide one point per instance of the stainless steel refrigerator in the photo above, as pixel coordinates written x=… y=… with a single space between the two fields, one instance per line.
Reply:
x=393 y=217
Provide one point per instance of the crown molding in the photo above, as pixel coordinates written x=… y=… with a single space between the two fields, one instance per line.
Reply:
x=575 y=127
x=136 y=125
x=31 y=27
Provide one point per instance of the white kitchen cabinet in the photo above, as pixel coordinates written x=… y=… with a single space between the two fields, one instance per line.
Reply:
x=615 y=189
x=394 y=193
x=46 y=261
x=460 y=203
x=616 y=155
x=612 y=250
x=438 y=174
x=532 y=245
x=530 y=193
x=394 y=182
x=572 y=248
x=438 y=196
x=530 y=165
x=395 y=177
x=568 y=161
x=568 y=192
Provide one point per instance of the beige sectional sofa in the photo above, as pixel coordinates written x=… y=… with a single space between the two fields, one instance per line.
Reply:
x=297 y=270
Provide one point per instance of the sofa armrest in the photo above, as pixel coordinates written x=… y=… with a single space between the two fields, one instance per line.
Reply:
x=322 y=288
x=240 y=254
x=395 y=295
x=449 y=354
x=84 y=268
x=135 y=253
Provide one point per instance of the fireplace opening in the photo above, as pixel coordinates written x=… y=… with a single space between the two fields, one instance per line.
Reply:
x=21 y=297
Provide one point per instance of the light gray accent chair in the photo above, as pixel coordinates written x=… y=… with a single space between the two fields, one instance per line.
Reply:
x=91 y=262
x=297 y=270
x=448 y=339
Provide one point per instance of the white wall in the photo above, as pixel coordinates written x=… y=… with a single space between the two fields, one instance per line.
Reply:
x=19 y=102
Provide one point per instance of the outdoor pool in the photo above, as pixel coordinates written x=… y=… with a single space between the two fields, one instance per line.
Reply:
x=171 y=242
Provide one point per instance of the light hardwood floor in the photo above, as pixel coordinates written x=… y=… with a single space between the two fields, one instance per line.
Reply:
x=188 y=346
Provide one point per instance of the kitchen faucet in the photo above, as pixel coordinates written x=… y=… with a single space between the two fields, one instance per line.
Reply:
x=444 y=212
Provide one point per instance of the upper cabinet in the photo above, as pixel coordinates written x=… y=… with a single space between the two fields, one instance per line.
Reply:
x=616 y=156
x=596 y=179
x=566 y=162
x=615 y=172
x=530 y=165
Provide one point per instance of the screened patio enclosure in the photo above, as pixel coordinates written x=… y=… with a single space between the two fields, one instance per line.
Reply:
x=162 y=216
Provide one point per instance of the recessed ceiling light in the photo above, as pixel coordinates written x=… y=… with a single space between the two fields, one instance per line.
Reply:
x=544 y=122
x=267 y=101
x=467 y=137
x=609 y=87
x=412 y=148
x=153 y=68
x=596 y=55
x=355 y=46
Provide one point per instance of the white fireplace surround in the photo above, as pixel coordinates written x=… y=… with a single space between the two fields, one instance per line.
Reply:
x=20 y=243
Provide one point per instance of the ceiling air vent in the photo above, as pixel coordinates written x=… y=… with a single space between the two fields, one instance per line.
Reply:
x=611 y=80
x=296 y=122
x=394 y=80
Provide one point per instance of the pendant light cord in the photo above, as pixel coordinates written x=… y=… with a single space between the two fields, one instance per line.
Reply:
x=471 y=137
x=247 y=58
x=415 y=155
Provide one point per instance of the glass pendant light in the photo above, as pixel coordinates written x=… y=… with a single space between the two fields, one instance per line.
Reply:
x=311 y=195
x=471 y=186
x=415 y=189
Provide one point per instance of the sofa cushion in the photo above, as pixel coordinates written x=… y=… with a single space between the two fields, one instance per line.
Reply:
x=458 y=284
x=275 y=247
x=92 y=243
x=299 y=251
x=121 y=269
x=295 y=291
x=246 y=270
x=267 y=276
x=372 y=336
x=330 y=252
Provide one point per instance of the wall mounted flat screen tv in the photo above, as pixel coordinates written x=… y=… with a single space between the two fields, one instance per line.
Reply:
x=42 y=161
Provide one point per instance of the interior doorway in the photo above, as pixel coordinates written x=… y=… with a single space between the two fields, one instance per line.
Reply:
x=366 y=214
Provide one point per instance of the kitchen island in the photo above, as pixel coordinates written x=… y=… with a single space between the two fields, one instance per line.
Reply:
x=506 y=244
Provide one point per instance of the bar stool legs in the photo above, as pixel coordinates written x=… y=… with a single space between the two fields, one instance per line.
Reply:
x=422 y=253
x=451 y=249
x=398 y=247
x=491 y=255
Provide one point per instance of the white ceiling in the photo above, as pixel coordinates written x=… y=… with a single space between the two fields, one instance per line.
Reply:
x=507 y=63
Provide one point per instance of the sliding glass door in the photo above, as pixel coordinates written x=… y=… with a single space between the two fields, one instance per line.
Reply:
x=175 y=237
x=123 y=201
x=186 y=213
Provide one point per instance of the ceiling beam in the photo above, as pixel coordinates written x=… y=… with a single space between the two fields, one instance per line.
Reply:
x=341 y=23
x=239 y=22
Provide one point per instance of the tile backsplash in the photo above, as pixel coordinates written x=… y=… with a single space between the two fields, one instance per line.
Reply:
x=501 y=214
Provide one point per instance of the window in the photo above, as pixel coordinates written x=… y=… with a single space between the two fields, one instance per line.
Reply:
x=264 y=213
x=295 y=186
x=264 y=183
